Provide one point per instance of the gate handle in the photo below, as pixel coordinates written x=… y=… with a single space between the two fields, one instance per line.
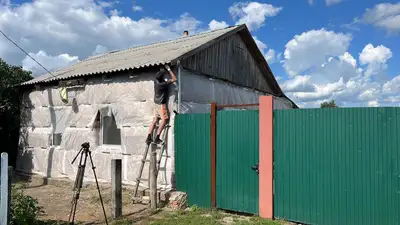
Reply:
x=255 y=168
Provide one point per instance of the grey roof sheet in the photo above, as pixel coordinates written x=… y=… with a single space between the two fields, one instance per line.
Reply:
x=136 y=57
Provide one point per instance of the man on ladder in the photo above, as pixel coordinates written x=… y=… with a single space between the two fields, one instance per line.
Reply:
x=160 y=99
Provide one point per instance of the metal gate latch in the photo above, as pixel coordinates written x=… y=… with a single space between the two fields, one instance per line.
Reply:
x=255 y=168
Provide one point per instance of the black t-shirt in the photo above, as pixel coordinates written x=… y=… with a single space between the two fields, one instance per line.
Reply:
x=160 y=91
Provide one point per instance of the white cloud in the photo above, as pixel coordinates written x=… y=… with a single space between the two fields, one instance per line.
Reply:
x=261 y=45
x=375 y=58
x=332 y=2
x=253 y=14
x=392 y=86
x=77 y=27
x=137 y=8
x=99 y=50
x=5 y=2
x=48 y=61
x=374 y=103
x=115 y=12
x=321 y=91
x=107 y=4
x=298 y=84
x=346 y=57
x=185 y=22
x=371 y=54
x=327 y=2
x=214 y=25
x=369 y=94
x=385 y=16
x=270 y=56
x=320 y=59
x=313 y=48
x=392 y=99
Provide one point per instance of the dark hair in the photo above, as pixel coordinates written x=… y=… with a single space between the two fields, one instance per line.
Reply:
x=160 y=74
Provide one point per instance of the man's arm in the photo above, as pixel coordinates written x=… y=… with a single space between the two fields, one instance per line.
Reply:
x=173 y=77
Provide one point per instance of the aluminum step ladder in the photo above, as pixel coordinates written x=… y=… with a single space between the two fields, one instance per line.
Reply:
x=144 y=160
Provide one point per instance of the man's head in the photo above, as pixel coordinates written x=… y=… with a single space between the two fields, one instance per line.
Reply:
x=160 y=74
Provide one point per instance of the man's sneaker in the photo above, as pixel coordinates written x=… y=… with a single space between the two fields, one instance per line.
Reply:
x=148 y=140
x=158 y=140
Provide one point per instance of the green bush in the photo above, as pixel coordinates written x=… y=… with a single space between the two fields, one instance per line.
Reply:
x=24 y=209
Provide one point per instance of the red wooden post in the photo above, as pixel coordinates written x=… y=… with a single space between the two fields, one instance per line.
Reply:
x=213 y=147
x=266 y=194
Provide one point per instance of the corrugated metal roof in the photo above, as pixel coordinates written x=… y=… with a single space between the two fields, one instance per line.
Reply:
x=137 y=57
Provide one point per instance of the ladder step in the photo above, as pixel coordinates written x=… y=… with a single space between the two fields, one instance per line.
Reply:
x=148 y=161
x=141 y=179
x=160 y=149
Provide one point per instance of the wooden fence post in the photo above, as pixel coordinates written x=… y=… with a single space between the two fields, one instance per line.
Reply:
x=153 y=177
x=5 y=191
x=116 y=188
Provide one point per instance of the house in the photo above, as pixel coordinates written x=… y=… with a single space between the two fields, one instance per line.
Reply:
x=110 y=98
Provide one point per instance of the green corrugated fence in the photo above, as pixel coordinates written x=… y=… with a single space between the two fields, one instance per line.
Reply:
x=192 y=157
x=337 y=166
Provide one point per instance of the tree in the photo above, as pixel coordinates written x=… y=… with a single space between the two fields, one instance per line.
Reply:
x=10 y=76
x=330 y=104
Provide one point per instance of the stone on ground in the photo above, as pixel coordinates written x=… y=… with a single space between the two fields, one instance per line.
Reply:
x=178 y=200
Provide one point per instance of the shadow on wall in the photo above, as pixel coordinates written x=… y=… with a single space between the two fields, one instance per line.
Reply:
x=24 y=156
x=54 y=122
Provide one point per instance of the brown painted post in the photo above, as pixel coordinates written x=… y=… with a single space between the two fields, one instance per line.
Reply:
x=213 y=152
x=266 y=194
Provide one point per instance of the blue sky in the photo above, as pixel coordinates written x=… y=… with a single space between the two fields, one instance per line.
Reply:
x=318 y=49
x=296 y=17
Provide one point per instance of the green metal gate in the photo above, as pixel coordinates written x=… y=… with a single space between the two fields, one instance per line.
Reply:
x=337 y=166
x=236 y=153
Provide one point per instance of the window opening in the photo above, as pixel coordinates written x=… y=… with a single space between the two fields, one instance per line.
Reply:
x=111 y=135
x=58 y=124
x=57 y=139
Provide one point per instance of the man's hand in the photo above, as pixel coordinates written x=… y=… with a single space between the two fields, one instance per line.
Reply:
x=171 y=73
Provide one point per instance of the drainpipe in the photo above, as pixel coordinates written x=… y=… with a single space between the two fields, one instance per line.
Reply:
x=179 y=86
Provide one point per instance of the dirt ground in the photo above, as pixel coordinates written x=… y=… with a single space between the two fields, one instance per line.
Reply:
x=55 y=198
x=56 y=202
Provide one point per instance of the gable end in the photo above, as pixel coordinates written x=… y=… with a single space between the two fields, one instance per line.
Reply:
x=230 y=59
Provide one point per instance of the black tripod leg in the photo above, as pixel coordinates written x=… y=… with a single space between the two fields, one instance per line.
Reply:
x=72 y=210
x=75 y=196
x=98 y=188
x=78 y=185
x=75 y=205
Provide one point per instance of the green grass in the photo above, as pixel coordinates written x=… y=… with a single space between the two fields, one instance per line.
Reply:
x=199 y=216
x=181 y=217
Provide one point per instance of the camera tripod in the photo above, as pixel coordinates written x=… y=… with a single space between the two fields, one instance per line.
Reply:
x=84 y=153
